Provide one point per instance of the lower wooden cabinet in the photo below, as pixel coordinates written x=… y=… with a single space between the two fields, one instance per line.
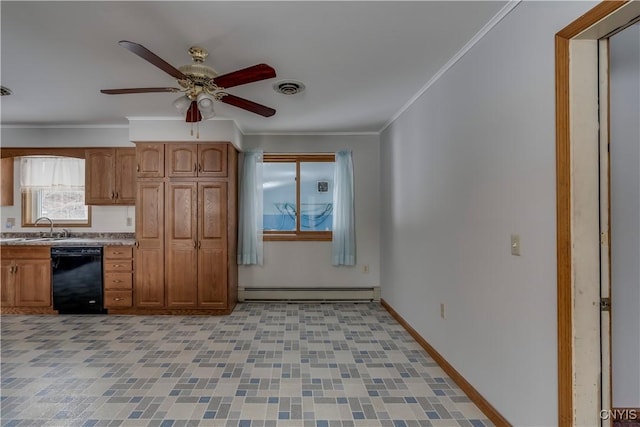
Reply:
x=26 y=276
x=118 y=276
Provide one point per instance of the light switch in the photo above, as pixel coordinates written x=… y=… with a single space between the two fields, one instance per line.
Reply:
x=515 y=244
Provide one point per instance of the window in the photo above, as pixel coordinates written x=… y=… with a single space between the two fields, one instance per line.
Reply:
x=298 y=196
x=53 y=187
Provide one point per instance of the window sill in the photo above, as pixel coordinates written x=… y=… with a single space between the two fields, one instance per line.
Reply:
x=309 y=236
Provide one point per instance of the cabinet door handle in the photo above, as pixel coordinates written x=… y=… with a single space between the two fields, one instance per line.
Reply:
x=195 y=244
x=117 y=195
x=199 y=168
x=117 y=253
x=199 y=244
x=195 y=167
x=113 y=195
x=137 y=245
x=138 y=167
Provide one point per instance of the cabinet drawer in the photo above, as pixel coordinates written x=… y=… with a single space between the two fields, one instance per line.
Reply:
x=115 y=299
x=118 y=265
x=118 y=252
x=26 y=252
x=118 y=281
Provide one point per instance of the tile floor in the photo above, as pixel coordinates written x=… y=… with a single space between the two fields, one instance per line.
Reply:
x=266 y=365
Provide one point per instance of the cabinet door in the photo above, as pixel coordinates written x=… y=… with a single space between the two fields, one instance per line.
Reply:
x=125 y=176
x=99 y=180
x=7 y=286
x=212 y=160
x=212 y=256
x=182 y=244
x=150 y=160
x=182 y=160
x=6 y=186
x=33 y=283
x=149 y=254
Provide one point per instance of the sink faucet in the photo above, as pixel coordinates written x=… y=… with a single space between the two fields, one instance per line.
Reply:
x=44 y=218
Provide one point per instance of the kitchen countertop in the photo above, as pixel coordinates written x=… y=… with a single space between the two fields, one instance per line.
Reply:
x=104 y=239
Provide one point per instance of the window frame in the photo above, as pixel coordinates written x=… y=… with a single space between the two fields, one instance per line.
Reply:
x=298 y=234
x=27 y=197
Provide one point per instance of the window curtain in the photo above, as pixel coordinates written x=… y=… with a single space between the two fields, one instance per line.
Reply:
x=250 y=210
x=344 y=232
x=59 y=173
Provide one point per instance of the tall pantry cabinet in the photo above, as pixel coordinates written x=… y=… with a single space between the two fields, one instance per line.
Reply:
x=186 y=211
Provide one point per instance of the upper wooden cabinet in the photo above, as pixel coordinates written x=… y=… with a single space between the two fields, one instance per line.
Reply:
x=6 y=188
x=196 y=160
x=110 y=176
x=150 y=160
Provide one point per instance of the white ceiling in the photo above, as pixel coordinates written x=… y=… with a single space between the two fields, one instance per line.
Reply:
x=361 y=61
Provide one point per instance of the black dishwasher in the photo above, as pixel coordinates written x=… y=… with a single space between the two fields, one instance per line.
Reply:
x=77 y=279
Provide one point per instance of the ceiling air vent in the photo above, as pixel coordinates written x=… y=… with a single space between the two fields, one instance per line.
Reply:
x=4 y=91
x=288 y=87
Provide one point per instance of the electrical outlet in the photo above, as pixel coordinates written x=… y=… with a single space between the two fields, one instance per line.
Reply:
x=365 y=268
x=442 y=310
x=129 y=221
x=515 y=244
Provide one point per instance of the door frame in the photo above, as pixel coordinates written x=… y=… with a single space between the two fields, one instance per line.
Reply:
x=577 y=210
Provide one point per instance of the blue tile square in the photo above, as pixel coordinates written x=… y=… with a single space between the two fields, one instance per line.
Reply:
x=358 y=415
x=90 y=423
x=193 y=380
x=378 y=381
x=373 y=393
x=322 y=423
x=167 y=423
x=410 y=400
x=433 y=415
x=254 y=381
x=209 y=415
x=307 y=393
x=174 y=393
x=477 y=423
x=14 y=423
x=342 y=400
x=272 y=400
x=399 y=423
x=283 y=415
x=439 y=393
x=135 y=415
x=244 y=423
x=241 y=392
x=204 y=399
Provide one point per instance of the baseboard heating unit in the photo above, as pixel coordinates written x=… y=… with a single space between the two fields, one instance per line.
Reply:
x=309 y=295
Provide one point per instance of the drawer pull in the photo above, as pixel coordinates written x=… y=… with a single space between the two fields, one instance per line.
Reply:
x=117 y=281
x=117 y=299
x=117 y=265
x=117 y=253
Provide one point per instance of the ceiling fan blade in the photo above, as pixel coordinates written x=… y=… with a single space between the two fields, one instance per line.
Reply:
x=151 y=57
x=244 y=76
x=245 y=104
x=139 y=90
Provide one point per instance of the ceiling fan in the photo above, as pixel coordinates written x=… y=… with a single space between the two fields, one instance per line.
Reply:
x=200 y=84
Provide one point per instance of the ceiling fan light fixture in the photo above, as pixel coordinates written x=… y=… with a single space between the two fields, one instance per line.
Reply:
x=205 y=101
x=182 y=104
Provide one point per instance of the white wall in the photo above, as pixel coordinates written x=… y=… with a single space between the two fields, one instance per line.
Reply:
x=625 y=216
x=471 y=162
x=104 y=218
x=177 y=130
x=308 y=264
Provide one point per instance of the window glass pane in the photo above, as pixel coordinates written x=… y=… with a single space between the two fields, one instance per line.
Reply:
x=316 y=196
x=279 y=196
x=61 y=205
